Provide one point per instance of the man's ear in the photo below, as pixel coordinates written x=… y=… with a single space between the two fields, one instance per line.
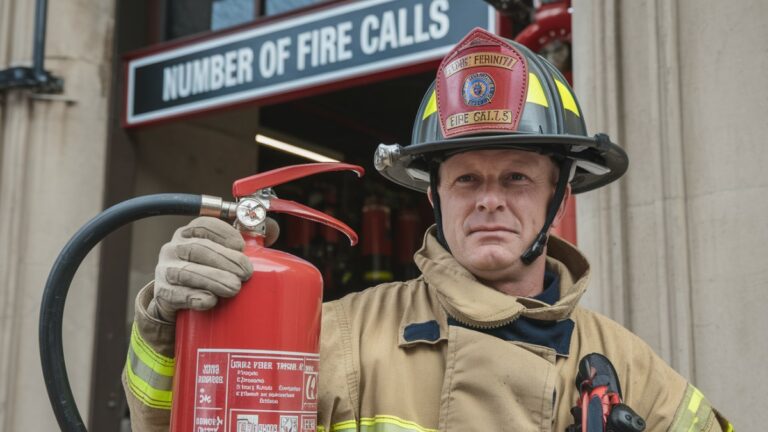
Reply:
x=429 y=196
x=563 y=207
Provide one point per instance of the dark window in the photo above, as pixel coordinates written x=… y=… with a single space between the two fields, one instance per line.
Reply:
x=229 y=13
x=274 y=7
x=188 y=17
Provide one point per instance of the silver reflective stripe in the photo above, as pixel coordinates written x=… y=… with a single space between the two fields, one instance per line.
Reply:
x=145 y=372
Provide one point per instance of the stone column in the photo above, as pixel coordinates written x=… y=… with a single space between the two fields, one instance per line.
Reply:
x=51 y=181
x=678 y=245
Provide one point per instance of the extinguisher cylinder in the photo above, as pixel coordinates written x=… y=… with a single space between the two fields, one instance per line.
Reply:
x=252 y=362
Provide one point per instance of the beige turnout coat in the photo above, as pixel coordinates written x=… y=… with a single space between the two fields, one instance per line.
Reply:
x=390 y=360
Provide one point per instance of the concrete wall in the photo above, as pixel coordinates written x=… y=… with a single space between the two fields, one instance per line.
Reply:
x=679 y=244
x=51 y=181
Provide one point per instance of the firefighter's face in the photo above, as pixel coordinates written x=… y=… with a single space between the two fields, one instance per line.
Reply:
x=493 y=205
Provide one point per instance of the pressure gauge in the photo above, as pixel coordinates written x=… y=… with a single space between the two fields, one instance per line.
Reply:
x=251 y=212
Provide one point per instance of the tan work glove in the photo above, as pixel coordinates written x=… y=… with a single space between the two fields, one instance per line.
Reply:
x=203 y=261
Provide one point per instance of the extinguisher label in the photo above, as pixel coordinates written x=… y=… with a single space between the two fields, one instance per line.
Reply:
x=255 y=391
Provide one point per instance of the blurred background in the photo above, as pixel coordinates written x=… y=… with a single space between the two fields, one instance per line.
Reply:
x=116 y=99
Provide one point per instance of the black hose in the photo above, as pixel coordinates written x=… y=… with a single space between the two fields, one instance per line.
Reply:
x=57 y=286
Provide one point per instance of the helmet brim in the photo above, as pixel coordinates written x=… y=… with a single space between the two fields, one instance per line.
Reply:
x=410 y=167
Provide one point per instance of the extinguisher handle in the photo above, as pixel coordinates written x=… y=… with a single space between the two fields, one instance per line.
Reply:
x=250 y=185
x=300 y=210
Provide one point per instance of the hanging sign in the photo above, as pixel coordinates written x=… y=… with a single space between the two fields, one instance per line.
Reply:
x=319 y=48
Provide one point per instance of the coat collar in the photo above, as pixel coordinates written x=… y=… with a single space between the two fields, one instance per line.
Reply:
x=464 y=298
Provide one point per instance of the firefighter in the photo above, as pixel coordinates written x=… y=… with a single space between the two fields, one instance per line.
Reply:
x=490 y=336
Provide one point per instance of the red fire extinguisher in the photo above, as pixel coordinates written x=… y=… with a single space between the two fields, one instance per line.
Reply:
x=251 y=363
x=377 y=243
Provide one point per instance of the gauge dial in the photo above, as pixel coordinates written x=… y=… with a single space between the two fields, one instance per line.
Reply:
x=251 y=212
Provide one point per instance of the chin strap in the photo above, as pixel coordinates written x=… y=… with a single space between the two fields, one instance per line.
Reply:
x=433 y=180
x=537 y=247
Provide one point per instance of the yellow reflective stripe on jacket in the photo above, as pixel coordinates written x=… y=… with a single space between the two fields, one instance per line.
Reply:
x=725 y=425
x=159 y=363
x=345 y=425
x=149 y=374
x=694 y=414
x=379 y=423
x=143 y=391
x=387 y=423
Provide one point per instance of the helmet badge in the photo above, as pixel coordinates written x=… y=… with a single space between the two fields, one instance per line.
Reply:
x=478 y=89
x=481 y=86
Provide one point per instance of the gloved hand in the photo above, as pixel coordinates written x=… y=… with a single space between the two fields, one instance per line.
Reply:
x=202 y=262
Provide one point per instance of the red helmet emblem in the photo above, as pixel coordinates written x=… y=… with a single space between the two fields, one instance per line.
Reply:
x=481 y=86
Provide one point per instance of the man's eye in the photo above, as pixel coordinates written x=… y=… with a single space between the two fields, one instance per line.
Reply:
x=465 y=178
x=517 y=177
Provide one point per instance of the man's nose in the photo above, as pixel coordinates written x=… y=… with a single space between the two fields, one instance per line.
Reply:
x=490 y=199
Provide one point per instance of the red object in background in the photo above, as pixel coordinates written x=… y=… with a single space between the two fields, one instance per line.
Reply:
x=298 y=235
x=251 y=363
x=377 y=243
x=567 y=227
x=408 y=237
x=552 y=24
x=330 y=245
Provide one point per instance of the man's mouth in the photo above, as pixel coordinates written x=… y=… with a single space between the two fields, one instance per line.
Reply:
x=490 y=229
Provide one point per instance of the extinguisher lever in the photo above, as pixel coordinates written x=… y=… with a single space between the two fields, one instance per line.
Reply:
x=256 y=182
x=300 y=210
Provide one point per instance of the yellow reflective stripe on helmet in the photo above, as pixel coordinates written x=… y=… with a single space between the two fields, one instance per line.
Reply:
x=569 y=102
x=148 y=373
x=535 y=91
x=694 y=414
x=431 y=107
x=379 y=423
